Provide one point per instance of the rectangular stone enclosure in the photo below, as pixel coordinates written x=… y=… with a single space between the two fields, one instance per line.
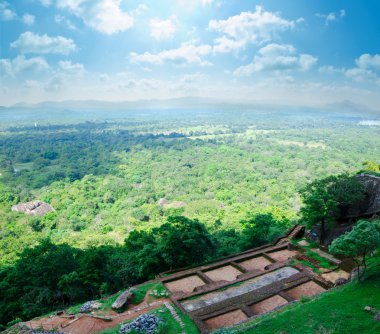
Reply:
x=282 y=255
x=226 y=319
x=185 y=285
x=256 y=263
x=248 y=286
x=306 y=289
x=268 y=304
x=225 y=273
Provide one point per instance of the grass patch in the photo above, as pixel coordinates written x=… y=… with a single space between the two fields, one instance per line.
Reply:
x=323 y=262
x=114 y=330
x=312 y=244
x=140 y=292
x=107 y=302
x=74 y=309
x=340 y=310
x=169 y=324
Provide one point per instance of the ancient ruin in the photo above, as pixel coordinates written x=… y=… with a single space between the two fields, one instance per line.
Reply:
x=249 y=284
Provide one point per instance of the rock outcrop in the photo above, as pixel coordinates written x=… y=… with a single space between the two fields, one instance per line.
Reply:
x=36 y=208
x=125 y=297
x=371 y=203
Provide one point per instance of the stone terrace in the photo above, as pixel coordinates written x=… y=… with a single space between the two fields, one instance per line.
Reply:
x=244 y=285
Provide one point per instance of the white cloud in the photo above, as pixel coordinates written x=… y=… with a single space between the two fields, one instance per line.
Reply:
x=28 y=19
x=20 y=64
x=187 y=53
x=33 y=84
x=60 y=19
x=250 y=27
x=55 y=84
x=225 y=45
x=105 y=16
x=194 y=3
x=328 y=69
x=29 y=42
x=65 y=75
x=368 y=61
x=140 y=9
x=361 y=74
x=6 y=69
x=331 y=17
x=46 y=3
x=367 y=69
x=163 y=29
x=277 y=58
x=69 y=68
x=6 y=13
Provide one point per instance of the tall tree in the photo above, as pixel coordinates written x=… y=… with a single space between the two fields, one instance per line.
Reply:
x=360 y=243
x=324 y=199
x=183 y=242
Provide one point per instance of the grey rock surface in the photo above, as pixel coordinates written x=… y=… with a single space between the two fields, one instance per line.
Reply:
x=146 y=324
x=125 y=297
x=249 y=287
x=89 y=306
x=36 y=208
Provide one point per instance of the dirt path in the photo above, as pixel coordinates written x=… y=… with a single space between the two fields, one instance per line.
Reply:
x=88 y=324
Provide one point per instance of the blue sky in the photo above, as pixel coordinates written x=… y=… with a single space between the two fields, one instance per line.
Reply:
x=285 y=52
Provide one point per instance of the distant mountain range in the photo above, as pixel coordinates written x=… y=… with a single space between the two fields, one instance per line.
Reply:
x=342 y=107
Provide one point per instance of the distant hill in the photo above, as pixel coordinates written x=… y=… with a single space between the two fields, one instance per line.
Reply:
x=345 y=107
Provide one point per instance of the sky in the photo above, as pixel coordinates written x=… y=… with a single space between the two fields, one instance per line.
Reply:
x=284 y=52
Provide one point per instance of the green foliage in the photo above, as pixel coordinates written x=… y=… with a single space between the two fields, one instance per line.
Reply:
x=260 y=230
x=361 y=242
x=183 y=242
x=140 y=292
x=51 y=276
x=371 y=167
x=326 y=199
x=179 y=242
x=7 y=196
x=323 y=262
x=106 y=179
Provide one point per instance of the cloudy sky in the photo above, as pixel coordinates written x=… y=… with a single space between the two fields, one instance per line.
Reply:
x=293 y=52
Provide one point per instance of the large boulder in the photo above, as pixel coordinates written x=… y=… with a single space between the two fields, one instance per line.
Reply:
x=125 y=297
x=371 y=203
x=35 y=208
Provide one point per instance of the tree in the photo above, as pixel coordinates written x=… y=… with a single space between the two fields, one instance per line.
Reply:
x=362 y=241
x=324 y=199
x=31 y=286
x=183 y=242
x=371 y=167
x=143 y=255
x=256 y=232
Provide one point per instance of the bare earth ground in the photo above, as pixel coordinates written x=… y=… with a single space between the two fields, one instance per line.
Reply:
x=282 y=255
x=306 y=289
x=226 y=273
x=257 y=263
x=187 y=284
x=268 y=304
x=226 y=319
x=336 y=274
x=86 y=324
